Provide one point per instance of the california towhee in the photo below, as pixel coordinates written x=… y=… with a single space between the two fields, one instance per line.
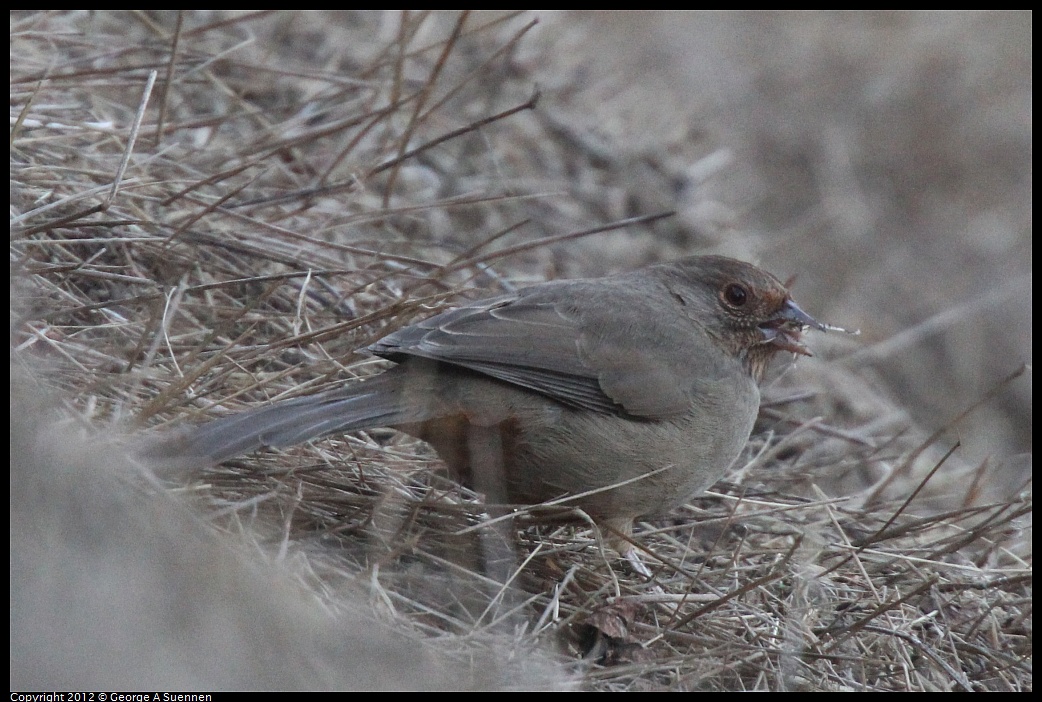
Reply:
x=628 y=394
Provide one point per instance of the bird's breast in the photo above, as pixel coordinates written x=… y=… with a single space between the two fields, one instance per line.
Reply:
x=633 y=467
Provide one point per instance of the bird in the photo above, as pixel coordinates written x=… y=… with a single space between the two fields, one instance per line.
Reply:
x=622 y=396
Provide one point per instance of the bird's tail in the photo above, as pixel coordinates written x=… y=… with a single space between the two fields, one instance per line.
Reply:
x=385 y=400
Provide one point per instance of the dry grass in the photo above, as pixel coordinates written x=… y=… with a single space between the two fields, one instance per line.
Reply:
x=295 y=186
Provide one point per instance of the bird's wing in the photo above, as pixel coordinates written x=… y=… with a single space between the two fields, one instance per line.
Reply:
x=566 y=341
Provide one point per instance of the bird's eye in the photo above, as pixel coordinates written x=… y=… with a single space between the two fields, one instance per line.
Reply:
x=736 y=295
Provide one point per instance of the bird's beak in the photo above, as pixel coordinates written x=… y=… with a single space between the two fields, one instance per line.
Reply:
x=784 y=329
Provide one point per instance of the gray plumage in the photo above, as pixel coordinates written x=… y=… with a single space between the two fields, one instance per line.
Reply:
x=641 y=387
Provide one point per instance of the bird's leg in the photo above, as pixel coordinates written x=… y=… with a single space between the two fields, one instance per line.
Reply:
x=619 y=534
